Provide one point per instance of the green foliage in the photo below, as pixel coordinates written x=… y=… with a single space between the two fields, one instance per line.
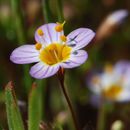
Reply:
x=13 y=113
x=35 y=107
x=21 y=36
x=58 y=127
x=1 y=128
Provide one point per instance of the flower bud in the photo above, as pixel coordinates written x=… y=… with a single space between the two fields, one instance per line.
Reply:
x=117 y=125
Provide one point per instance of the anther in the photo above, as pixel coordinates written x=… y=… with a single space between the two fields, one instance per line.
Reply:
x=59 y=26
x=38 y=46
x=40 y=32
x=63 y=38
x=108 y=68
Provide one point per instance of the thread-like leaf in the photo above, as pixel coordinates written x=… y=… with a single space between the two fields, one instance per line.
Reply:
x=13 y=114
x=35 y=107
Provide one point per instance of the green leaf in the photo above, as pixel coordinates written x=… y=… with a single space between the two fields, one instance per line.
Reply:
x=21 y=35
x=47 y=11
x=57 y=126
x=35 y=107
x=1 y=128
x=13 y=114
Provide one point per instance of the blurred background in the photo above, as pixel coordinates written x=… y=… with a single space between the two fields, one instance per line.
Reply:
x=18 y=21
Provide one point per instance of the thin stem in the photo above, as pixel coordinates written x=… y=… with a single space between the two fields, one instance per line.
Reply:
x=59 y=8
x=47 y=11
x=101 y=117
x=17 y=17
x=61 y=80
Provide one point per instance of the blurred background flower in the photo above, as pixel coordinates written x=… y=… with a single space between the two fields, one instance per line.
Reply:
x=113 y=82
x=117 y=125
x=111 y=22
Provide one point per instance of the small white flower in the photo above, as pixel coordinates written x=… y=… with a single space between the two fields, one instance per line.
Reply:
x=113 y=83
x=117 y=125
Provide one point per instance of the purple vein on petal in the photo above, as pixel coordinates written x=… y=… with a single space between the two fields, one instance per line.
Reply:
x=73 y=62
x=85 y=36
x=73 y=37
x=49 y=33
x=38 y=69
x=80 y=55
x=25 y=57
x=45 y=72
x=57 y=36
x=27 y=51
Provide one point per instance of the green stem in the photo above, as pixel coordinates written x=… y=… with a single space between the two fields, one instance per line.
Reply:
x=59 y=8
x=21 y=36
x=17 y=18
x=46 y=11
x=101 y=117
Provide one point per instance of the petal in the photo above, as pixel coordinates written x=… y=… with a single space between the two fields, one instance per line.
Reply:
x=50 y=35
x=124 y=96
x=107 y=79
x=95 y=87
x=118 y=16
x=76 y=59
x=126 y=79
x=95 y=100
x=79 y=38
x=121 y=67
x=25 y=54
x=40 y=70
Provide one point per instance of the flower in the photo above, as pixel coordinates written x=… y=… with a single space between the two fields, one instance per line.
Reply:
x=113 y=83
x=110 y=23
x=117 y=17
x=117 y=125
x=53 y=50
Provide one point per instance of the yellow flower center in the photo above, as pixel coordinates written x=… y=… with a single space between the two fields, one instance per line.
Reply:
x=96 y=80
x=55 y=53
x=112 y=92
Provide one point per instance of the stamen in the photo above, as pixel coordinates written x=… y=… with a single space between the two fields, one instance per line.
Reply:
x=96 y=80
x=108 y=68
x=59 y=26
x=40 y=32
x=56 y=56
x=55 y=53
x=112 y=92
x=38 y=46
x=63 y=38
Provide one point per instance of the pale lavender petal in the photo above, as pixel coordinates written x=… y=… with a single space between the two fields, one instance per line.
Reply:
x=121 y=67
x=25 y=54
x=126 y=79
x=40 y=70
x=118 y=16
x=124 y=96
x=76 y=59
x=79 y=38
x=95 y=100
x=50 y=35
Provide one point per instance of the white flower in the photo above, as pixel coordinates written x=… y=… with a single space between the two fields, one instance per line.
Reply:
x=113 y=83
